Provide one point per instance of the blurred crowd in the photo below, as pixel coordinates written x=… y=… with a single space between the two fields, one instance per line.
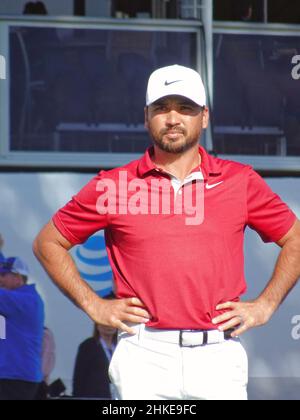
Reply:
x=27 y=345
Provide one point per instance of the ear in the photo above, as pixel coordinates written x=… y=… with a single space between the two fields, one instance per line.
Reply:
x=205 y=118
x=146 y=117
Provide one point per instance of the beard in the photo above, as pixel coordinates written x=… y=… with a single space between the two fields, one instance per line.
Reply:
x=171 y=145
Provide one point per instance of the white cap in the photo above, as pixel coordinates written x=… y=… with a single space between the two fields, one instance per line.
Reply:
x=14 y=265
x=19 y=267
x=176 y=80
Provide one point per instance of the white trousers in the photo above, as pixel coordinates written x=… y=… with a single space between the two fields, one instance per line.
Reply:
x=147 y=369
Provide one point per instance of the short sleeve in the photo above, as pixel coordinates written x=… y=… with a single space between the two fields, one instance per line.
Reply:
x=80 y=218
x=267 y=213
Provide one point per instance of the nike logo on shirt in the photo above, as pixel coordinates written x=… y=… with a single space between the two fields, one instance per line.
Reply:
x=208 y=187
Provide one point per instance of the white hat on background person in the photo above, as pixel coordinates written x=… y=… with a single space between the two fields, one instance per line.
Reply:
x=14 y=265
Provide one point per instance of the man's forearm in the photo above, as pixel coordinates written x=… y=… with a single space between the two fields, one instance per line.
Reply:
x=245 y=315
x=285 y=276
x=51 y=249
x=62 y=270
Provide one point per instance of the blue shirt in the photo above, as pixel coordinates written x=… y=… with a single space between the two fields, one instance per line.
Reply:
x=21 y=350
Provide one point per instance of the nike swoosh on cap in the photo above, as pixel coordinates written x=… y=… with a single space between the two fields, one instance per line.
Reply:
x=208 y=187
x=170 y=83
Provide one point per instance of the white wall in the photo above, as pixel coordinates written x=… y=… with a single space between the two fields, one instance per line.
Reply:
x=27 y=202
x=58 y=7
x=11 y=7
x=274 y=352
x=96 y=8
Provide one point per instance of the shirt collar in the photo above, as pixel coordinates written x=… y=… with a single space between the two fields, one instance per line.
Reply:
x=209 y=165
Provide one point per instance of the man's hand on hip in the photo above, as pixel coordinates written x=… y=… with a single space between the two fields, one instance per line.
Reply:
x=116 y=312
x=242 y=316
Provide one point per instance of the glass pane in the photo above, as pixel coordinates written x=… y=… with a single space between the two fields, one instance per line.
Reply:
x=256 y=97
x=190 y=9
x=83 y=90
x=282 y=12
x=51 y=7
x=239 y=10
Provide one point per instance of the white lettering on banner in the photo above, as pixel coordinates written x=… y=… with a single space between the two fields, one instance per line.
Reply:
x=2 y=328
x=296 y=69
x=296 y=329
x=2 y=67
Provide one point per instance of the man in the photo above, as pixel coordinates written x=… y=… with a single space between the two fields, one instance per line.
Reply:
x=178 y=278
x=21 y=348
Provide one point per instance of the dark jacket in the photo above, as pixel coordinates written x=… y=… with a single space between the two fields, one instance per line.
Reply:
x=90 y=378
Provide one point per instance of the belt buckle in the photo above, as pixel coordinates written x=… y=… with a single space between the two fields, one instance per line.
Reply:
x=204 y=342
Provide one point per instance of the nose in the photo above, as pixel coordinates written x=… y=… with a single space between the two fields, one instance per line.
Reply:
x=172 y=118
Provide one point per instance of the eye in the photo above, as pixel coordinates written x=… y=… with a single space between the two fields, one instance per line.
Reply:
x=160 y=108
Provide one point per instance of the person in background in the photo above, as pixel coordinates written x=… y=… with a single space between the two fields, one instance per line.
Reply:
x=35 y=8
x=20 y=351
x=244 y=10
x=1 y=247
x=48 y=363
x=90 y=378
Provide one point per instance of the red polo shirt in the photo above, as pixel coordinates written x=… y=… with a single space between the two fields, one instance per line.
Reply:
x=181 y=272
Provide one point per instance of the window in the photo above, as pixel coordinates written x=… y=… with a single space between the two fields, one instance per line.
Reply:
x=133 y=9
x=239 y=10
x=190 y=9
x=271 y=11
x=256 y=94
x=157 y=9
x=52 y=7
x=90 y=8
x=80 y=89
x=281 y=11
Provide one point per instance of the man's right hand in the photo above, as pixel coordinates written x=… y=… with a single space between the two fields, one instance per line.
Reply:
x=116 y=312
x=51 y=248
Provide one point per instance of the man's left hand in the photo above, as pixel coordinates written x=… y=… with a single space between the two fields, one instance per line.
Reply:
x=242 y=316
